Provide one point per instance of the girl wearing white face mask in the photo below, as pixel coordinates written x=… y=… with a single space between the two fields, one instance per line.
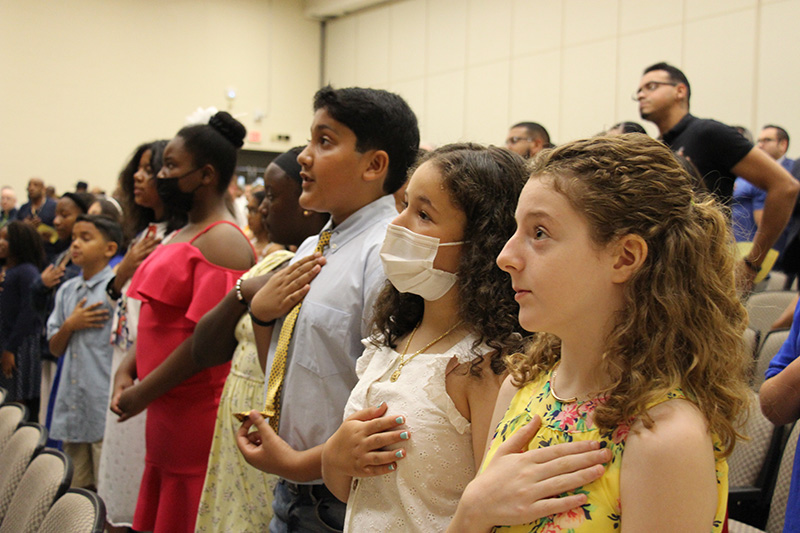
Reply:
x=443 y=324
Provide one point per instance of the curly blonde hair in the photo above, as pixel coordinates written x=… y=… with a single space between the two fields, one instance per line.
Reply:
x=682 y=321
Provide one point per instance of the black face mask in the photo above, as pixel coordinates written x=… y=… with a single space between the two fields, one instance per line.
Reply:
x=171 y=194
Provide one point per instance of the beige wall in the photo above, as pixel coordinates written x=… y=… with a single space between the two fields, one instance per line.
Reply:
x=83 y=82
x=470 y=68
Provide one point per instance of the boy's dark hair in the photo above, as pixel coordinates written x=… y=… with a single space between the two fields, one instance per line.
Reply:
x=215 y=143
x=25 y=244
x=380 y=120
x=107 y=226
x=676 y=75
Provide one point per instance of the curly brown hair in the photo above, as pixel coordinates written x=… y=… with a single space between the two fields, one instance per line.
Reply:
x=485 y=183
x=682 y=321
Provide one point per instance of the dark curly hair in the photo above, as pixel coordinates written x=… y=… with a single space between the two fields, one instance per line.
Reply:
x=485 y=183
x=138 y=217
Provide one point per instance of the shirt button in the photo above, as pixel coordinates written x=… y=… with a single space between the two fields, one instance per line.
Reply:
x=333 y=246
x=74 y=381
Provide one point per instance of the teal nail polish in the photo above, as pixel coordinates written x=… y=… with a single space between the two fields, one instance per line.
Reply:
x=399 y=419
x=399 y=454
x=391 y=468
x=404 y=435
x=379 y=405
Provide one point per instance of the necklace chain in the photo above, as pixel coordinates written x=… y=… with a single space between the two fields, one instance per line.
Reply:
x=403 y=361
x=553 y=390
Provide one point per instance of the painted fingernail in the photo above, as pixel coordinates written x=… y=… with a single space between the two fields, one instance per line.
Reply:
x=379 y=405
x=404 y=435
x=399 y=454
x=391 y=468
x=399 y=419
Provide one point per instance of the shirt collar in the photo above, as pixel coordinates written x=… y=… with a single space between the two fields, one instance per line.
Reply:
x=678 y=128
x=103 y=275
x=361 y=220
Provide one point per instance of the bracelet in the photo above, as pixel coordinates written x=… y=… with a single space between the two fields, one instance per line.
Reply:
x=257 y=321
x=111 y=291
x=750 y=265
x=239 y=295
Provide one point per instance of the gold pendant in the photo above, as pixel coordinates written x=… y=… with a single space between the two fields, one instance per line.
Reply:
x=395 y=375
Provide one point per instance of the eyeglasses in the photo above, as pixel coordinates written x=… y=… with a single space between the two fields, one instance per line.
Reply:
x=766 y=140
x=649 y=87
x=511 y=141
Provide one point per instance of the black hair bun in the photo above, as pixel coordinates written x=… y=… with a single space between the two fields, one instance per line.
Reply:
x=229 y=127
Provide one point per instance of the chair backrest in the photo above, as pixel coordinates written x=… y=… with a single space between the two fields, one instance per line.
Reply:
x=765 y=307
x=28 y=440
x=77 y=511
x=751 y=341
x=3 y=394
x=780 y=496
x=747 y=460
x=772 y=343
x=47 y=477
x=11 y=415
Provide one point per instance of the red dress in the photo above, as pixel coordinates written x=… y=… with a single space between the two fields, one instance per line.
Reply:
x=177 y=286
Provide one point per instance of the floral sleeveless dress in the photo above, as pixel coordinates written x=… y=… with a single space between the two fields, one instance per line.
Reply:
x=568 y=422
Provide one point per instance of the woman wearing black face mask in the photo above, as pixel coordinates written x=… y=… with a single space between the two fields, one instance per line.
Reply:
x=177 y=284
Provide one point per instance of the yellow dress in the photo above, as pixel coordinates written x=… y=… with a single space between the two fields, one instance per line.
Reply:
x=236 y=496
x=568 y=422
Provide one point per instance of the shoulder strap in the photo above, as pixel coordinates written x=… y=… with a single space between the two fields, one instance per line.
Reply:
x=218 y=222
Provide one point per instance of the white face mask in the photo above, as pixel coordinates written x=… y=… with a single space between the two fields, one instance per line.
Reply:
x=407 y=259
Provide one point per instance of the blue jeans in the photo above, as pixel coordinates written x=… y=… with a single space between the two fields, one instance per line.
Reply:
x=305 y=509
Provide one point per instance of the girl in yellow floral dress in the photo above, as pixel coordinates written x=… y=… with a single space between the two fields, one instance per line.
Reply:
x=627 y=275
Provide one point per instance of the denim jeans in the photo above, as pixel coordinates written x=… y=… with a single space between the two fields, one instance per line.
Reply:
x=305 y=509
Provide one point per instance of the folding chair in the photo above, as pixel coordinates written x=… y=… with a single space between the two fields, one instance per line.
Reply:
x=28 y=440
x=77 y=511
x=46 y=478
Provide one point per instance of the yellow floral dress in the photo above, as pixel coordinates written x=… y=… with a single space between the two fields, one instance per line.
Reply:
x=236 y=496
x=568 y=422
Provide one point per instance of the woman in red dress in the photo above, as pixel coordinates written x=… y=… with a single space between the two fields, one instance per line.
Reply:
x=177 y=284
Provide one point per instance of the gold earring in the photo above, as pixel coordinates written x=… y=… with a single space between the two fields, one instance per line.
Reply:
x=306 y=213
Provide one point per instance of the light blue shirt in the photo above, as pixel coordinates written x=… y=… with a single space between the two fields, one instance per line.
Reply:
x=334 y=317
x=79 y=414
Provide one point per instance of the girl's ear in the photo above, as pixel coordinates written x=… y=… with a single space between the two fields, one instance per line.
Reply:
x=378 y=166
x=630 y=251
x=208 y=173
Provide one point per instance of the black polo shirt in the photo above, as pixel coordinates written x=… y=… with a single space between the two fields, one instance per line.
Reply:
x=713 y=147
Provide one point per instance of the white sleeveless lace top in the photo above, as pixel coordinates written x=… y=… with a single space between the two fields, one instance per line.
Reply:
x=422 y=494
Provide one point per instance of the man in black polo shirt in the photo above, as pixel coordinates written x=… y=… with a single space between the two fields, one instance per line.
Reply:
x=719 y=153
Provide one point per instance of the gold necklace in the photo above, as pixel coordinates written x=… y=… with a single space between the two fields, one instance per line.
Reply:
x=403 y=361
x=553 y=390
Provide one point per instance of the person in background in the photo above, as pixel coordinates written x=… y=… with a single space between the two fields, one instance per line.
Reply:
x=720 y=154
x=20 y=325
x=527 y=139
x=260 y=237
x=8 y=205
x=40 y=211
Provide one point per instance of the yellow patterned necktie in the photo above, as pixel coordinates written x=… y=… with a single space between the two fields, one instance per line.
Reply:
x=278 y=370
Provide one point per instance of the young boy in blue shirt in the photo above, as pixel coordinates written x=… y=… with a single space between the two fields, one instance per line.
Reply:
x=80 y=329
x=362 y=143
